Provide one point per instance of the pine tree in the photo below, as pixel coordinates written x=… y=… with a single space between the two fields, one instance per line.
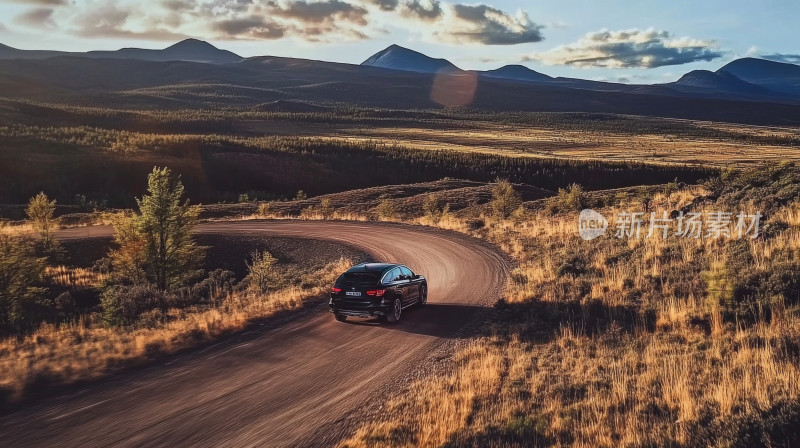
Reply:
x=156 y=245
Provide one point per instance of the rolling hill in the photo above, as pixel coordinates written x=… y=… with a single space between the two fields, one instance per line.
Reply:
x=186 y=50
x=517 y=73
x=775 y=76
x=721 y=83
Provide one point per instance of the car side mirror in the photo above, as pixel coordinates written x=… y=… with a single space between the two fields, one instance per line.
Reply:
x=416 y=276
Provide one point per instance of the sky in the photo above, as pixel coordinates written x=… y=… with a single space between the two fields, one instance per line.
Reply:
x=614 y=40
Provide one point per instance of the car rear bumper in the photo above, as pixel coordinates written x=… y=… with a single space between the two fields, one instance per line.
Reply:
x=358 y=310
x=360 y=313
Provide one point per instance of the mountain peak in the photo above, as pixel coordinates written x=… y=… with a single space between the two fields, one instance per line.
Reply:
x=720 y=82
x=516 y=72
x=193 y=44
x=776 y=76
x=400 y=58
x=757 y=68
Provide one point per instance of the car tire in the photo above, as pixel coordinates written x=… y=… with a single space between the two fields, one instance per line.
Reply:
x=341 y=317
x=395 y=312
x=423 y=296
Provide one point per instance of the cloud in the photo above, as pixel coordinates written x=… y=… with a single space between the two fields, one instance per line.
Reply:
x=40 y=2
x=310 y=20
x=630 y=49
x=322 y=11
x=109 y=20
x=783 y=57
x=426 y=10
x=253 y=27
x=489 y=26
x=385 y=5
x=317 y=20
x=37 y=18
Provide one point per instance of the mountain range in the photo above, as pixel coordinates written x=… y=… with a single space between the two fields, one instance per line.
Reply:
x=747 y=78
x=194 y=72
x=186 y=50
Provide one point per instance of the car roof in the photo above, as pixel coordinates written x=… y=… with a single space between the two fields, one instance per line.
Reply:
x=373 y=267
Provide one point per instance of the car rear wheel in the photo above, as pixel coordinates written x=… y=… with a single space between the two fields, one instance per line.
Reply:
x=423 y=296
x=395 y=312
x=341 y=317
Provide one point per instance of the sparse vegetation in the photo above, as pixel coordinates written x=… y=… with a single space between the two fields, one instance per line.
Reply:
x=264 y=209
x=261 y=271
x=40 y=212
x=505 y=201
x=386 y=210
x=568 y=200
x=85 y=349
x=231 y=166
x=690 y=342
x=22 y=292
x=326 y=209
x=433 y=208
x=641 y=342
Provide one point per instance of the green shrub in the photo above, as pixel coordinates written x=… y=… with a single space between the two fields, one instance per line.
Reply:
x=570 y=199
x=40 y=212
x=386 y=210
x=262 y=274
x=123 y=304
x=22 y=301
x=505 y=200
x=326 y=209
x=432 y=207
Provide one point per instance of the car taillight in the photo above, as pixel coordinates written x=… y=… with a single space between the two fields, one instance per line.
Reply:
x=376 y=292
x=335 y=289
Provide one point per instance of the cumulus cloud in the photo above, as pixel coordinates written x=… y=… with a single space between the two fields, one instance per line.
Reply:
x=322 y=11
x=37 y=18
x=385 y=5
x=424 y=10
x=320 y=18
x=783 y=57
x=111 y=20
x=486 y=25
x=312 y=20
x=630 y=49
x=253 y=27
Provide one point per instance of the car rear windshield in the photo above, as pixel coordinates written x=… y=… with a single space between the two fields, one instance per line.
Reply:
x=360 y=278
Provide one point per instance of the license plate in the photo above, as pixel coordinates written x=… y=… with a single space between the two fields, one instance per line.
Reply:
x=353 y=293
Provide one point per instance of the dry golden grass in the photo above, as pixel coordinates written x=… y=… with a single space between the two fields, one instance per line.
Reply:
x=74 y=277
x=85 y=350
x=573 y=367
x=528 y=140
x=17 y=229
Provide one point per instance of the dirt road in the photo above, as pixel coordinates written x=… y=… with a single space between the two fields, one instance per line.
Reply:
x=285 y=386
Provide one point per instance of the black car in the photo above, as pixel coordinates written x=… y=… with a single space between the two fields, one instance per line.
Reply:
x=377 y=289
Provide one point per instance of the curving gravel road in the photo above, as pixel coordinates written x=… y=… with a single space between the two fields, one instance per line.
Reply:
x=291 y=385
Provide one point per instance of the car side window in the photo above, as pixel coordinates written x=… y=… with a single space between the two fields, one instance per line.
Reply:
x=392 y=276
x=406 y=272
